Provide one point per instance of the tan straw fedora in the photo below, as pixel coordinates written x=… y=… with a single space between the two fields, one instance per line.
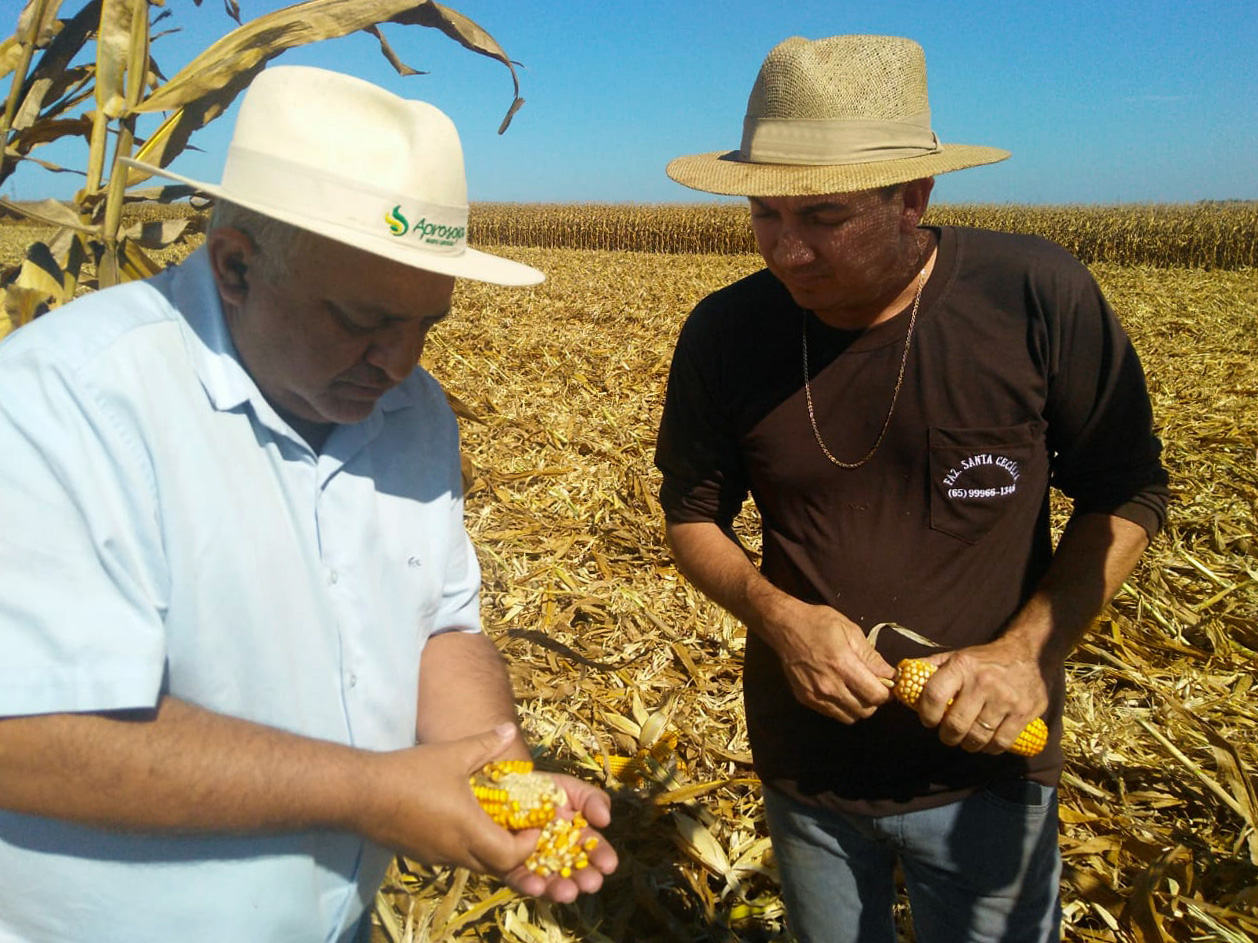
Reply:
x=340 y=157
x=833 y=116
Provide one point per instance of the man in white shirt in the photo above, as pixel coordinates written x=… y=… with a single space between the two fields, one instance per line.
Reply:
x=237 y=589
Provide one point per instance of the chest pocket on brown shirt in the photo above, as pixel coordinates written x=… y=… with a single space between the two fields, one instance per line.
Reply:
x=977 y=476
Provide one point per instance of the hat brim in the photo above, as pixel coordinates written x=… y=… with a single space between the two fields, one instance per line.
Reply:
x=470 y=263
x=727 y=173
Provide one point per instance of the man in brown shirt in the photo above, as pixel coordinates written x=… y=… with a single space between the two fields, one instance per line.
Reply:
x=897 y=400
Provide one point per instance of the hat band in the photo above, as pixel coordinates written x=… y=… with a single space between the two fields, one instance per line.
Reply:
x=294 y=189
x=836 y=140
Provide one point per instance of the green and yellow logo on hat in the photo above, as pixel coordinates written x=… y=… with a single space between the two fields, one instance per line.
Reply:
x=429 y=233
x=397 y=222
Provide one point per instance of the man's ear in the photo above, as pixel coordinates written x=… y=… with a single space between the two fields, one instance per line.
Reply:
x=916 y=196
x=231 y=251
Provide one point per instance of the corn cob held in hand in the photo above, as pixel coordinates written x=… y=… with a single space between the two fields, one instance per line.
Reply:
x=911 y=676
x=517 y=798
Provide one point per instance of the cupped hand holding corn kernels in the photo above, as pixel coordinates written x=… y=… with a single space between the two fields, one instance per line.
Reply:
x=963 y=712
x=569 y=858
x=416 y=802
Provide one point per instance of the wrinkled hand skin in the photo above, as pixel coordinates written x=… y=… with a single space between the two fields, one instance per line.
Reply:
x=829 y=663
x=418 y=803
x=1000 y=683
x=595 y=806
x=449 y=828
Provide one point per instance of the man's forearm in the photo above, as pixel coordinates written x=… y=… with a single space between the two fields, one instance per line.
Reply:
x=1096 y=553
x=464 y=688
x=719 y=568
x=189 y=771
x=185 y=769
x=178 y=769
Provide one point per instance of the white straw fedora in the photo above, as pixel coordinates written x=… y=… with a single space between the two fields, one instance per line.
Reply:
x=340 y=157
x=833 y=116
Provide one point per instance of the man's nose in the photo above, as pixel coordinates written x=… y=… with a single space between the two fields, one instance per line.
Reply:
x=397 y=349
x=791 y=250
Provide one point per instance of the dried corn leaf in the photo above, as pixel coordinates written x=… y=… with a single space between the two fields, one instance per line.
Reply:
x=249 y=47
x=701 y=844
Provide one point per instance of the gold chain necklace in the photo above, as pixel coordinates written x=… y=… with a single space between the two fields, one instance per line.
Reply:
x=895 y=395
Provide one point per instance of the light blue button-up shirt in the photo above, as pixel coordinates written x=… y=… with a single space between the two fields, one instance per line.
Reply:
x=162 y=529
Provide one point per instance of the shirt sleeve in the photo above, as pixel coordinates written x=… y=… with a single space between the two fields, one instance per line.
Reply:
x=1105 y=454
x=459 y=607
x=460 y=592
x=697 y=450
x=81 y=565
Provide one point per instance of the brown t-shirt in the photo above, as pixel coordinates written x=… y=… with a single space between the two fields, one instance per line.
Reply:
x=1018 y=376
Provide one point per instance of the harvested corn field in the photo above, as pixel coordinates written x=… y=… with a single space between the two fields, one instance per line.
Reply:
x=628 y=677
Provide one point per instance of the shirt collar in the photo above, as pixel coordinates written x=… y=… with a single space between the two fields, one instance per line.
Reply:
x=191 y=289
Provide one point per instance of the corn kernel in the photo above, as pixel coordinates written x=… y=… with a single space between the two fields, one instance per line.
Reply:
x=1032 y=739
x=517 y=798
x=910 y=678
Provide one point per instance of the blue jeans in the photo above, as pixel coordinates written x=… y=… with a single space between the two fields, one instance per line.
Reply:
x=985 y=869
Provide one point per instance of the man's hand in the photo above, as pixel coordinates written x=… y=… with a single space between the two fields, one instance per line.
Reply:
x=995 y=690
x=422 y=807
x=998 y=688
x=830 y=665
x=418 y=803
x=595 y=806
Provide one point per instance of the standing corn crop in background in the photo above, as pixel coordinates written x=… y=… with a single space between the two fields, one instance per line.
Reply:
x=53 y=95
x=897 y=398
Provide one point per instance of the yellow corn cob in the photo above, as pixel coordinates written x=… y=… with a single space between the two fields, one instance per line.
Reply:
x=660 y=762
x=911 y=676
x=517 y=798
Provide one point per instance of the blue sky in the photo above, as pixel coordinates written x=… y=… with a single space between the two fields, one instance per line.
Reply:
x=1100 y=102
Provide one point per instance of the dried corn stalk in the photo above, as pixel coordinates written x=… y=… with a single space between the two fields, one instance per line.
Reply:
x=48 y=98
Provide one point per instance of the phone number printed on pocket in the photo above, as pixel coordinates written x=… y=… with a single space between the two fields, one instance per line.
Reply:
x=982 y=466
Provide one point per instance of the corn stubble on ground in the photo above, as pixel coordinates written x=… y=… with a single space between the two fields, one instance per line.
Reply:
x=911 y=676
x=1160 y=732
x=517 y=798
x=567 y=381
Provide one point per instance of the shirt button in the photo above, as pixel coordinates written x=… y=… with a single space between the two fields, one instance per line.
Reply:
x=353 y=681
x=333 y=576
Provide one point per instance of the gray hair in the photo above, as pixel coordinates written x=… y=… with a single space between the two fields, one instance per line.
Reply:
x=276 y=243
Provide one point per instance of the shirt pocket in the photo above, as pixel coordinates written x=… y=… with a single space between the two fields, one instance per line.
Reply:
x=978 y=475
